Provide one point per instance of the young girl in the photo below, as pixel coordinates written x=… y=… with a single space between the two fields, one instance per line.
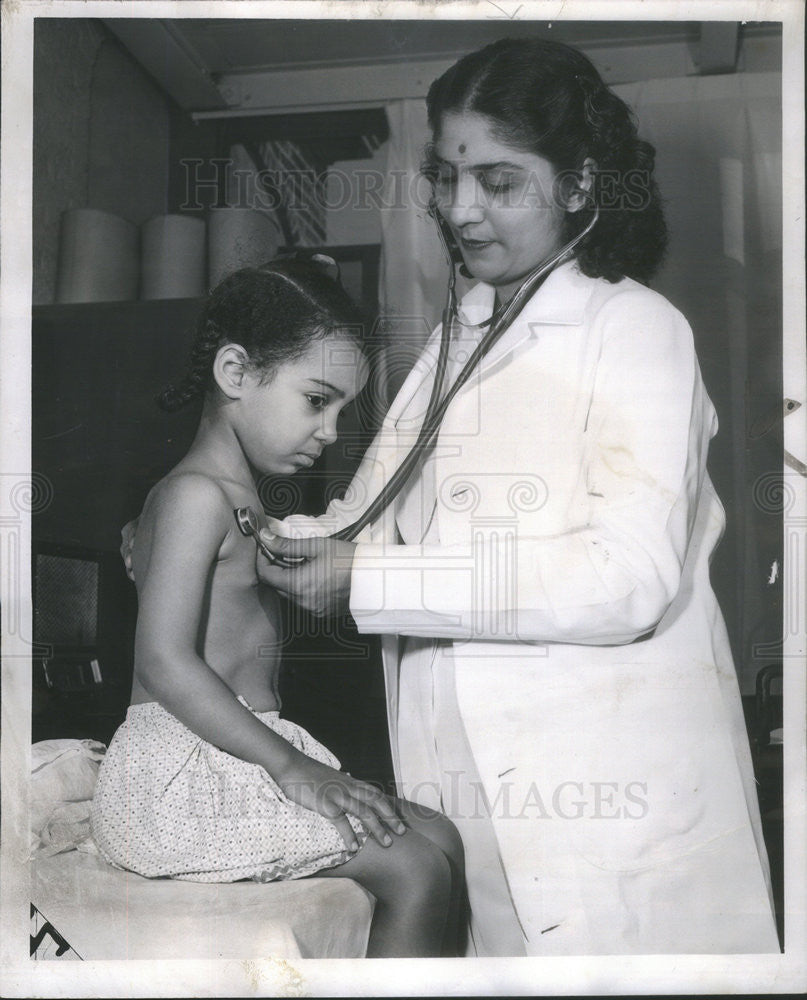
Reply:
x=204 y=780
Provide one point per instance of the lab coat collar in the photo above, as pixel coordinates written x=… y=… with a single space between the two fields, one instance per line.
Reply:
x=561 y=300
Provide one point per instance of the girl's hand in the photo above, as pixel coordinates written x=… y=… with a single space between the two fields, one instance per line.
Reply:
x=333 y=793
x=127 y=535
x=320 y=584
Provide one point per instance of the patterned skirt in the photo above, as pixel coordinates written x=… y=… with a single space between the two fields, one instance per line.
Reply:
x=169 y=804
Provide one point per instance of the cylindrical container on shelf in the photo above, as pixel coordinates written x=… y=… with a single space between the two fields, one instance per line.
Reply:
x=99 y=258
x=173 y=257
x=239 y=237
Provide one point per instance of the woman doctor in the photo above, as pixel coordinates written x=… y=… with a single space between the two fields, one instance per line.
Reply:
x=558 y=673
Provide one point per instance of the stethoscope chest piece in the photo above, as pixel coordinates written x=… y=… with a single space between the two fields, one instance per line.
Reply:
x=247 y=521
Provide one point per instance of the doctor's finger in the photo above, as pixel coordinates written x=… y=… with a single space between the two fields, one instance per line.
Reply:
x=300 y=548
x=274 y=574
x=126 y=555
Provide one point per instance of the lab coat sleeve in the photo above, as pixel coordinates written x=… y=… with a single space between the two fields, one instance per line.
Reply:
x=608 y=578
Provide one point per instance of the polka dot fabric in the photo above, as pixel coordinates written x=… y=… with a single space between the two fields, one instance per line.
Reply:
x=169 y=804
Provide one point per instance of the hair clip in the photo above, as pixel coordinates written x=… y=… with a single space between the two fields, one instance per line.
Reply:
x=328 y=265
x=323 y=261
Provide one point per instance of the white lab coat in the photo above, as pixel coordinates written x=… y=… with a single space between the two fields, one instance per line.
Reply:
x=573 y=670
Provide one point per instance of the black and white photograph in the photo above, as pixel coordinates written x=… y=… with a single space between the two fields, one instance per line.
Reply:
x=402 y=498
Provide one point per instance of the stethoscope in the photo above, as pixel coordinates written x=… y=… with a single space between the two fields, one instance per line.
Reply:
x=438 y=404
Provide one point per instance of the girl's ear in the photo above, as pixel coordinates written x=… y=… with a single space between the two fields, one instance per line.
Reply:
x=230 y=370
x=581 y=193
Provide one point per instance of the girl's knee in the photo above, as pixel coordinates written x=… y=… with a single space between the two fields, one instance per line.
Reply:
x=422 y=863
x=449 y=839
x=438 y=828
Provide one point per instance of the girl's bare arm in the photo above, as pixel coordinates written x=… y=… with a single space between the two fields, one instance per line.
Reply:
x=188 y=520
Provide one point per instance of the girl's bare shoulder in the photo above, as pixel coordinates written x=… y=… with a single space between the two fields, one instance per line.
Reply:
x=188 y=504
x=187 y=492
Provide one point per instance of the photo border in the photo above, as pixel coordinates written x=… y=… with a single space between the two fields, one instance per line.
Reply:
x=592 y=975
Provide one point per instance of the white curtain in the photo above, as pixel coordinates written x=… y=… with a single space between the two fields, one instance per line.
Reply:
x=718 y=143
x=414 y=268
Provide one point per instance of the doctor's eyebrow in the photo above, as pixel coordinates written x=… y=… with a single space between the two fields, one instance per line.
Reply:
x=327 y=385
x=498 y=165
x=439 y=161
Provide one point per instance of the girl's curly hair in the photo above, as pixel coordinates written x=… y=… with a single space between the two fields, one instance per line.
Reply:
x=274 y=311
x=548 y=99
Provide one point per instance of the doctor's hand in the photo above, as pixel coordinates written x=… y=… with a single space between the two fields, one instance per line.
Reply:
x=127 y=535
x=320 y=584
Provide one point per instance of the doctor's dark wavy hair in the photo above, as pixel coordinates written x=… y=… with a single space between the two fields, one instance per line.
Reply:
x=547 y=99
x=275 y=312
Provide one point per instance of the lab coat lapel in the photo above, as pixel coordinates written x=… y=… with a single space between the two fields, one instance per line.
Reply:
x=417 y=384
x=400 y=427
x=560 y=301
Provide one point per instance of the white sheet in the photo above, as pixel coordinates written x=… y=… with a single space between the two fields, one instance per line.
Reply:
x=104 y=913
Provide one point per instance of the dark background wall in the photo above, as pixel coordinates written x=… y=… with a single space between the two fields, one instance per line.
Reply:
x=101 y=134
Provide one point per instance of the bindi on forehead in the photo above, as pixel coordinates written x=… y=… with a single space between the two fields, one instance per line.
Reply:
x=462 y=147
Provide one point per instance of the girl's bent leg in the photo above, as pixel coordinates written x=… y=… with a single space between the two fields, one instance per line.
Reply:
x=411 y=881
x=436 y=826
x=441 y=831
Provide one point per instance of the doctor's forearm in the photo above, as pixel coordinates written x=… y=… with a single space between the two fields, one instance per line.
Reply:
x=550 y=590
